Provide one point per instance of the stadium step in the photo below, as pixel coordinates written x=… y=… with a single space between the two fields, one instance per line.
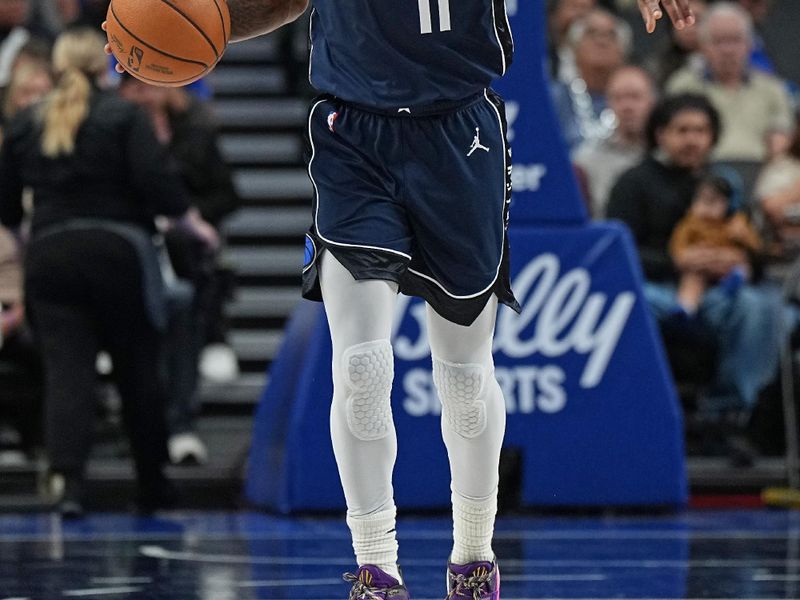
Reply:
x=245 y=392
x=264 y=261
x=261 y=113
x=278 y=222
x=261 y=50
x=265 y=184
x=276 y=302
x=256 y=345
x=249 y=80
x=261 y=148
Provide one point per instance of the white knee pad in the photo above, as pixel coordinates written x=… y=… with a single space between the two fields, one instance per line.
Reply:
x=460 y=390
x=368 y=373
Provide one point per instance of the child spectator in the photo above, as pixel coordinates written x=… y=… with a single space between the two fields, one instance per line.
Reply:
x=711 y=223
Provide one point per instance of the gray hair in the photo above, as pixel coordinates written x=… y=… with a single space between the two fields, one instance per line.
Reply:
x=728 y=9
x=624 y=33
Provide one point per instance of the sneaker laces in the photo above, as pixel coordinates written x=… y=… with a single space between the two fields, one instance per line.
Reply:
x=474 y=583
x=360 y=590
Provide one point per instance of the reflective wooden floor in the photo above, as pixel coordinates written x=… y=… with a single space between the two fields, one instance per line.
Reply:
x=248 y=556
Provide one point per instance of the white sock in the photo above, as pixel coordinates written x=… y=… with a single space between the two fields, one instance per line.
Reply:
x=375 y=540
x=473 y=527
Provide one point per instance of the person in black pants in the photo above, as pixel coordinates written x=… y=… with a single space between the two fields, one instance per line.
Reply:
x=99 y=178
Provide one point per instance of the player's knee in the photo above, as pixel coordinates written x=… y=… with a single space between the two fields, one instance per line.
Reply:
x=461 y=391
x=368 y=373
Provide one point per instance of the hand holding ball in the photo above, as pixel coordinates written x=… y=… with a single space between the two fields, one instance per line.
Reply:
x=168 y=42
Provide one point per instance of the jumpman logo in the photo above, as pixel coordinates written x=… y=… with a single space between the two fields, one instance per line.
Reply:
x=476 y=143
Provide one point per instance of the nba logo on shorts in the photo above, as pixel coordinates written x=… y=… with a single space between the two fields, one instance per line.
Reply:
x=135 y=58
x=332 y=116
x=310 y=253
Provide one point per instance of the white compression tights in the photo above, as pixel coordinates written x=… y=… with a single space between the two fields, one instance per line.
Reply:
x=360 y=315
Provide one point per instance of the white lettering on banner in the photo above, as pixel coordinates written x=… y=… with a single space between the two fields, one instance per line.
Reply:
x=421 y=399
x=512 y=112
x=405 y=348
x=528 y=178
x=524 y=178
x=558 y=310
x=526 y=390
x=567 y=318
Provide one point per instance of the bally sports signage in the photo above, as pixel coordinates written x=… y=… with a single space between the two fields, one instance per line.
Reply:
x=561 y=316
x=590 y=408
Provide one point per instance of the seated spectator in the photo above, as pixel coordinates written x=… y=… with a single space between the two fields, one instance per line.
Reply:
x=753 y=105
x=777 y=210
x=713 y=222
x=20 y=375
x=13 y=34
x=561 y=14
x=759 y=57
x=99 y=178
x=30 y=82
x=185 y=128
x=651 y=199
x=681 y=49
x=601 y=43
x=631 y=96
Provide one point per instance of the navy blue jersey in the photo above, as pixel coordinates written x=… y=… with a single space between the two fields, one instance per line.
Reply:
x=404 y=53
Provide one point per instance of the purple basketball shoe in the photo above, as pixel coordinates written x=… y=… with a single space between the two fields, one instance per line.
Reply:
x=370 y=583
x=473 y=581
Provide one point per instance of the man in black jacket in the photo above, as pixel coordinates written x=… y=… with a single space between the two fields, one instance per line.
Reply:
x=651 y=198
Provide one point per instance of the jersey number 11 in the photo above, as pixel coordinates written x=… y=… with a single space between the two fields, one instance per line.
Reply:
x=425 y=24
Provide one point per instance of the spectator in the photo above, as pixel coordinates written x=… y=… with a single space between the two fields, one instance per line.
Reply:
x=30 y=82
x=777 y=195
x=13 y=34
x=681 y=49
x=98 y=178
x=651 y=199
x=561 y=16
x=601 y=43
x=759 y=57
x=185 y=128
x=753 y=105
x=631 y=96
x=11 y=311
x=713 y=222
x=21 y=385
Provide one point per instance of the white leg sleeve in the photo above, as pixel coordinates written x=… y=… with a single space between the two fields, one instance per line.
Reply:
x=360 y=318
x=473 y=425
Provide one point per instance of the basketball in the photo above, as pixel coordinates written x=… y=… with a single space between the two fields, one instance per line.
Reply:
x=168 y=42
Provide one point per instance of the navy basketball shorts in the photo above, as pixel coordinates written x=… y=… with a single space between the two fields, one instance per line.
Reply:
x=417 y=197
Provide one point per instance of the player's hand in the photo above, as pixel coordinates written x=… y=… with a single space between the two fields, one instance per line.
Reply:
x=679 y=11
x=107 y=48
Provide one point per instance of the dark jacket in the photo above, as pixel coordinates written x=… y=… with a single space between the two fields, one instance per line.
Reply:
x=650 y=199
x=203 y=171
x=118 y=171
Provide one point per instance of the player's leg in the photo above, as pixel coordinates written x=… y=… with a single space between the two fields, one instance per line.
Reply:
x=360 y=317
x=473 y=425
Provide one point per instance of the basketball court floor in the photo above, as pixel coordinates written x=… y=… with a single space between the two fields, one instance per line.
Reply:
x=752 y=554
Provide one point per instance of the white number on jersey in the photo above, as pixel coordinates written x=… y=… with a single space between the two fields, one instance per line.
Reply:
x=425 y=22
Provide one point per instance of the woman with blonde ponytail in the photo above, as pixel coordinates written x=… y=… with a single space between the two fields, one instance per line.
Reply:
x=99 y=178
x=77 y=66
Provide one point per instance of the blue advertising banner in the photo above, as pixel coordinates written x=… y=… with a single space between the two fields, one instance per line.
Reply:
x=591 y=408
x=545 y=190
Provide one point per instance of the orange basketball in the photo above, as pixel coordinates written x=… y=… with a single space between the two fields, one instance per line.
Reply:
x=168 y=42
